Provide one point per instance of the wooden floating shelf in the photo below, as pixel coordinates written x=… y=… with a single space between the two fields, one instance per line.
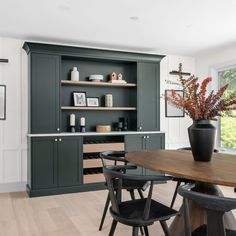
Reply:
x=175 y=72
x=102 y=84
x=99 y=108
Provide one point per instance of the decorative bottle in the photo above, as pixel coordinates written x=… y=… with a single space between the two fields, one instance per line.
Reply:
x=75 y=74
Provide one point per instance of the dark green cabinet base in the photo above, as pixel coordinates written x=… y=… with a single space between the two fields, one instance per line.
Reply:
x=63 y=190
x=56 y=164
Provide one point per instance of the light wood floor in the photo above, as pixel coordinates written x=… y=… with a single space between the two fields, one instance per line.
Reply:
x=69 y=214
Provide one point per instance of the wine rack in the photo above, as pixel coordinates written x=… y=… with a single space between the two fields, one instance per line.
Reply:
x=92 y=164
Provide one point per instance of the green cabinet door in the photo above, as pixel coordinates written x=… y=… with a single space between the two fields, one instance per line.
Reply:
x=44 y=93
x=154 y=141
x=134 y=142
x=70 y=161
x=43 y=162
x=148 y=97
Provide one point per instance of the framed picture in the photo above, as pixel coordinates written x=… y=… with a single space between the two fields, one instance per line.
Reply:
x=170 y=110
x=79 y=99
x=93 y=102
x=2 y=102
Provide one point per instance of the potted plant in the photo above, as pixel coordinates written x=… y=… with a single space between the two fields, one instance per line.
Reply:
x=202 y=106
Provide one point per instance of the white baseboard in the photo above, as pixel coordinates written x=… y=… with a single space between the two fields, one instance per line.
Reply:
x=13 y=187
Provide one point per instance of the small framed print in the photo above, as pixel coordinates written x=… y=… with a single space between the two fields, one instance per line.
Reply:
x=92 y=101
x=2 y=102
x=79 y=99
x=170 y=110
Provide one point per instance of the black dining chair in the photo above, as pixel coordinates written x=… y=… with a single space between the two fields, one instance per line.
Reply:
x=137 y=212
x=215 y=207
x=115 y=158
x=182 y=180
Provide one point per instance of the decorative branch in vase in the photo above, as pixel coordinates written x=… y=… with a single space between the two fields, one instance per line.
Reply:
x=202 y=106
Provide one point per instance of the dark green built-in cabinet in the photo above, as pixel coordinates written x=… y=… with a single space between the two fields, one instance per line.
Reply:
x=55 y=162
x=59 y=164
x=148 y=141
x=44 y=94
x=148 y=99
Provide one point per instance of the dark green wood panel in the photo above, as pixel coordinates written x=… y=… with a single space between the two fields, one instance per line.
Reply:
x=154 y=141
x=69 y=161
x=134 y=142
x=148 y=103
x=44 y=160
x=106 y=55
x=44 y=93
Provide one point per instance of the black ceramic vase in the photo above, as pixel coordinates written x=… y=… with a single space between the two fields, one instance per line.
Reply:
x=202 y=136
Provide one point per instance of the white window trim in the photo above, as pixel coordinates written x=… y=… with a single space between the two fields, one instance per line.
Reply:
x=213 y=72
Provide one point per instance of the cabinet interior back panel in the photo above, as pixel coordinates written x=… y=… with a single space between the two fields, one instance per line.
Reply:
x=94 y=118
x=101 y=67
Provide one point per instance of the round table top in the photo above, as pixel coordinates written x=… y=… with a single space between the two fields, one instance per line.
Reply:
x=220 y=170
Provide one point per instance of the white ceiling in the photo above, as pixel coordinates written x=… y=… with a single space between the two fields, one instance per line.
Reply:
x=185 y=27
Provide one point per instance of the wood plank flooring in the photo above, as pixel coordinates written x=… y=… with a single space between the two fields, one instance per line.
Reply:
x=70 y=214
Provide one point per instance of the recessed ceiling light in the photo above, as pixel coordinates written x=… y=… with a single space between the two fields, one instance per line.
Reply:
x=134 y=18
x=64 y=7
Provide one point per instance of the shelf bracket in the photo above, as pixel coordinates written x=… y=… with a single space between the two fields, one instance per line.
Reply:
x=3 y=60
x=179 y=72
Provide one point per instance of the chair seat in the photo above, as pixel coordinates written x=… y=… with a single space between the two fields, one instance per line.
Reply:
x=131 y=212
x=202 y=231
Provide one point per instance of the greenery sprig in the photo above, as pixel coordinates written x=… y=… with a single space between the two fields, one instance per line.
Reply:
x=197 y=103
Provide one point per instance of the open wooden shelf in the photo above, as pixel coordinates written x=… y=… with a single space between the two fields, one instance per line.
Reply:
x=99 y=108
x=104 y=84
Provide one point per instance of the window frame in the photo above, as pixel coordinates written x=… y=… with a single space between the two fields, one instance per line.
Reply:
x=214 y=71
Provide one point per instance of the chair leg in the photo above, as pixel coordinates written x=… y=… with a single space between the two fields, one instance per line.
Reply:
x=140 y=193
x=175 y=194
x=113 y=228
x=134 y=231
x=132 y=194
x=146 y=230
x=133 y=198
x=104 y=212
x=165 y=228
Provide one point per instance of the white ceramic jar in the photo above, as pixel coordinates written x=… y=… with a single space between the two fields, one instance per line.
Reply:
x=108 y=100
x=75 y=74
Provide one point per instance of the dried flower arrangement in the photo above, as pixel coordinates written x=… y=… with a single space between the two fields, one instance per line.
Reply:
x=197 y=103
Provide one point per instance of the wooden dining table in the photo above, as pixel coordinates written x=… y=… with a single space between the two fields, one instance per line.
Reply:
x=221 y=170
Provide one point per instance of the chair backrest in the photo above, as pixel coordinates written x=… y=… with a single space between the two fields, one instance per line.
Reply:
x=215 y=207
x=115 y=176
x=116 y=156
x=189 y=149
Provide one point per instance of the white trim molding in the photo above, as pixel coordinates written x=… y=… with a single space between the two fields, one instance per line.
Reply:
x=13 y=187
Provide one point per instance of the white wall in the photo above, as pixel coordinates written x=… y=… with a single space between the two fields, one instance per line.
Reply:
x=13 y=141
x=209 y=63
x=13 y=129
x=175 y=128
x=215 y=59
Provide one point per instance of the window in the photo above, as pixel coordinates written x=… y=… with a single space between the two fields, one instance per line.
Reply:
x=228 y=120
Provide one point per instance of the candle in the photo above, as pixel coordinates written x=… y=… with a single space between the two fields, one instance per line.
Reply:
x=72 y=119
x=108 y=100
x=82 y=121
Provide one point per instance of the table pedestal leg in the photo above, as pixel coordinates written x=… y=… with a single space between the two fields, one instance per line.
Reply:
x=198 y=214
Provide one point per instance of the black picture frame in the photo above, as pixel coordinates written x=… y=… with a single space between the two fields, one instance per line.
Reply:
x=2 y=102
x=170 y=110
x=92 y=101
x=79 y=99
